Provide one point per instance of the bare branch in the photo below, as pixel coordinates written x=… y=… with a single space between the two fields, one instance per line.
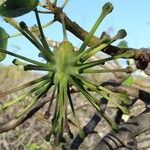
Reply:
x=89 y=127
x=16 y=122
x=142 y=56
x=127 y=133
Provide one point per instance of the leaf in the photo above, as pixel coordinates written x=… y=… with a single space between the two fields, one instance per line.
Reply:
x=15 y=8
x=3 y=43
x=128 y=81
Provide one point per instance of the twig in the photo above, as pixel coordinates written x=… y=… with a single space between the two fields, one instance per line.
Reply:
x=16 y=122
x=142 y=56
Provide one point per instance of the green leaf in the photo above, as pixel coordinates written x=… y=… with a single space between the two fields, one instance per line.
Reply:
x=15 y=8
x=3 y=43
x=128 y=81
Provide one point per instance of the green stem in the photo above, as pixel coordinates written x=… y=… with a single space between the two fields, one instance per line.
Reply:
x=94 y=51
x=56 y=115
x=20 y=98
x=71 y=102
x=15 y=25
x=48 y=23
x=12 y=102
x=43 y=40
x=92 y=101
x=64 y=28
x=103 y=94
x=96 y=46
x=32 y=30
x=31 y=103
x=104 y=70
x=41 y=92
x=81 y=133
x=127 y=54
x=103 y=43
x=64 y=4
x=47 y=112
x=61 y=104
x=93 y=63
x=23 y=58
x=55 y=2
x=56 y=104
x=96 y=88
x=114 y=101
x=107 y=8
x=17 y=62
x=25 y=85
x=38 y=68
x=39 y=46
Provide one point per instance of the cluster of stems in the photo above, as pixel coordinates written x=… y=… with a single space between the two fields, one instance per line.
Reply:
x=66 y=69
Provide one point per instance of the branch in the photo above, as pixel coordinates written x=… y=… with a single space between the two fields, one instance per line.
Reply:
x=89 y=127
x=125 y=137
x=127 y=133
x=116 y=87
x=142 y=56
x=129 y=90
x=12 y=124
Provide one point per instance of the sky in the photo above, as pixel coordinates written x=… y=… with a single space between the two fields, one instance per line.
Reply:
x=131 y=15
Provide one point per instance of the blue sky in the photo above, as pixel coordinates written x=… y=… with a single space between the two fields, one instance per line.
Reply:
x=131 y=15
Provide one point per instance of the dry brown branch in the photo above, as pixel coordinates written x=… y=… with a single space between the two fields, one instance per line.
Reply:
x=125 y=137
x=142 y=55
x=16 y=122
x=90 y=126
x=121 y=135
